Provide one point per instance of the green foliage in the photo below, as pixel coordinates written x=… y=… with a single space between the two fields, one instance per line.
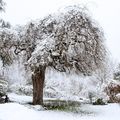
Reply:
x=61 y=105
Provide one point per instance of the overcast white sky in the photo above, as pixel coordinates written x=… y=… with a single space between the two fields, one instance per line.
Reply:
x=106 y=12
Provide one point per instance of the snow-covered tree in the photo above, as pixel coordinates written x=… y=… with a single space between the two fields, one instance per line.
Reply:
x=69 y=41
x=7 y=37
x=7 y=42
x=2 y=4
x=3 y=24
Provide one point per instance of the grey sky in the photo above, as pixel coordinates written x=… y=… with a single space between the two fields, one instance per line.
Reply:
x=106 y=12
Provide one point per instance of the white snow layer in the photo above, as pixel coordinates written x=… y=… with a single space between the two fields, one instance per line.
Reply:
x=15 y=111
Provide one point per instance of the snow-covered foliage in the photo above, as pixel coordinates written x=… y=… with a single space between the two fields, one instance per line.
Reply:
x=2 y=4
x=64 y=41
x=68 y=42
x=72 y=86
x=117 y=73
x=4 y=24
x=65 y=86
x=113 y=90
x=21 y=89
x=15 y=73
x=7 y=40
x=3 y=87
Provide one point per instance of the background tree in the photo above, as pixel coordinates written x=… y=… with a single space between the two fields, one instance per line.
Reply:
x=4 y=24
x=7 y=41
x=6 y=38
x=68 y=42
x=2 y=4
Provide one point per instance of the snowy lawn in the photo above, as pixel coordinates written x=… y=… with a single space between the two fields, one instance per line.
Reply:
x=16 y=111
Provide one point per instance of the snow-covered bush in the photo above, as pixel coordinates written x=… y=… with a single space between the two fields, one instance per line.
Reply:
x=3 y=87
x=21 y=89
x=118 y=96
x=113 y=90
x=59 y=85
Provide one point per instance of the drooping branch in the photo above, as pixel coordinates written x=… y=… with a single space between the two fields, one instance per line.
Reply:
x=70 y=40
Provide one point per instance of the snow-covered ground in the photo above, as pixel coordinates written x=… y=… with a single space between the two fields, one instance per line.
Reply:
x=16 y=111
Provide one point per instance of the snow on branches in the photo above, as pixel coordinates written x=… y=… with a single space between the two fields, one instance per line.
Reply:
x=7 y=41
x=67 y=41
x=2 y=4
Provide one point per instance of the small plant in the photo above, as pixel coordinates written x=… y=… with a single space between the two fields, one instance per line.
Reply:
x=61 y=105
x=99 y=101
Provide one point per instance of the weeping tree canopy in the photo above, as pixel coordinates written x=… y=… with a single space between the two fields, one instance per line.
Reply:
x=70 y=40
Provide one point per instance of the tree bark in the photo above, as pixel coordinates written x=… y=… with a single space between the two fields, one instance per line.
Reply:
x=38 y=84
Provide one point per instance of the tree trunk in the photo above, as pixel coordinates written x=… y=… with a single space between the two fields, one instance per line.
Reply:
x=38 y=83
